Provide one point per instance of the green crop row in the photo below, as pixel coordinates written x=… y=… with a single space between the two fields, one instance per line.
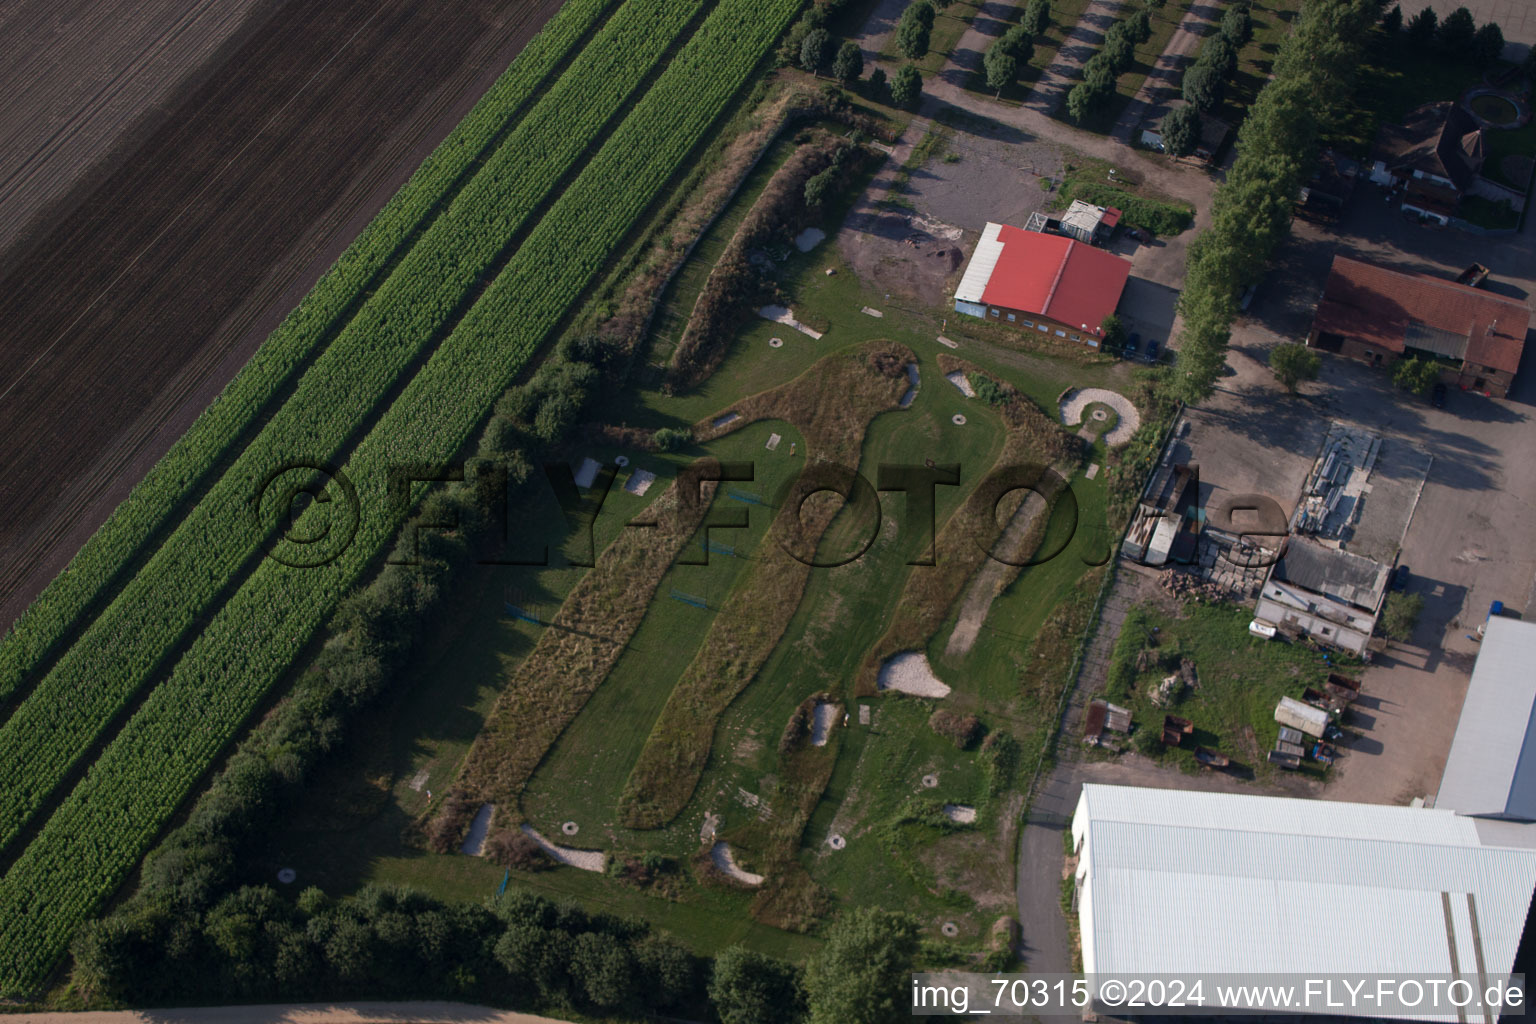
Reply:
x=90 y=844
x=123 y=537
x=414 y=307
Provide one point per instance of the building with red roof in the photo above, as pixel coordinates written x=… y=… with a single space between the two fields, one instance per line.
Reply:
x=1042 y=282
x=1378 y=316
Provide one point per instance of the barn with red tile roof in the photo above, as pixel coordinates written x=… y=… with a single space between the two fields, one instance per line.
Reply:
x=1378 y=316
x=1040 y=282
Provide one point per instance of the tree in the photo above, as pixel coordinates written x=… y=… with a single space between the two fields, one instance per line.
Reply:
x=1037 y=17
x=1237 y=25
x=1002 y=68
x=1018 y=43
x=1392 y=21
x=1219 y=55
x=849 y=63
x=860 y=976
x=1181 y=130
x=1080 y=101
x=1293 y=364
x=914 y=30
x=1417 y=375
x=1399 y=615
x=1456 y=33
x=1112 y=332
x=1202 y=87
x=877 y=85
x=1139 y=25
x=1421 y=29
x=1118 y=50
x=750 y=988
x=670 y=439
x=906 y=87
x=1487 y=45
x=819 y=188
x=814 y=50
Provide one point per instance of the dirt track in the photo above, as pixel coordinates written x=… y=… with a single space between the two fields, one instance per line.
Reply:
x=159 y=276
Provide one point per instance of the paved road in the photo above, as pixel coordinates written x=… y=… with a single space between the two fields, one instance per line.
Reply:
x=299 y=1013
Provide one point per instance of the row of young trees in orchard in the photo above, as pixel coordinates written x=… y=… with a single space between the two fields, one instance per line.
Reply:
x=811 y=46
x=1112 y=60
x=1251 y=210
x=1206 y=79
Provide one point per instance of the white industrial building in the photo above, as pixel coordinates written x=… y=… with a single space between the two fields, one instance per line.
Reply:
x=1281 y=885
x=1491 y=770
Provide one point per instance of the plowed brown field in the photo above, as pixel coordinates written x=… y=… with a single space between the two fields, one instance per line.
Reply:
x=161 y=272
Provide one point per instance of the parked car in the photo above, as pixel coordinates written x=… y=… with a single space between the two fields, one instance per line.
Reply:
x=1152 y=349
x=1437 y=396
x=1132 y=343
x=1400 y=578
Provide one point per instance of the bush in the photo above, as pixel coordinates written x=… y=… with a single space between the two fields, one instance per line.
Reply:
x=670 y=439
x=1399 y=615
x=961 y=730
x=988 y=390
x=1157 y=217
x=1112 y=332
x=1148 y=741
x=1417 y=375
x=516 y=849
x=815 y=50
x=1219 y=55
x=1293 y=363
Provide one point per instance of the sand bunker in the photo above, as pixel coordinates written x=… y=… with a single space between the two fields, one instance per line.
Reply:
x=639 y=482
x=821 y=724
x=781 y=315
x=961 y=381
x=867 y=311
x=720 y=853
x=960 y=813
x=1074 y=402
x=728 y=418
x=909 y=672
x=586 y=860
x=475 y=841
x=587 y=473
x=809 y=239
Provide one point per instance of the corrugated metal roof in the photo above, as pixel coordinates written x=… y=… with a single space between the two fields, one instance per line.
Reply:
x=1492 y=765
x=979 y=271
x=1085 y=217
x=1259 y=873
x=1339 y=574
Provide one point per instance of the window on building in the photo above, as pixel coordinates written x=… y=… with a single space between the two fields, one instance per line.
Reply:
x=996 y=313
x=1093 y=342
x=1027 y=323
x=1011 y=317
x=1060 y=333
x=1326 y=631
x=1043 y=329
x=1077 y=337
x=1479 y=384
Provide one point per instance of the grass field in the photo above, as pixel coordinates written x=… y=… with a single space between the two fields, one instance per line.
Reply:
x=1271 y=23
x=866 y=783
x=1241 y=679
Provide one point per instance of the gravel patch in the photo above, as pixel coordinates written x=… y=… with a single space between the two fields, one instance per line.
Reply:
x=960 y=380
x=586 y=860
x=809 y=239
x=1078 y=399
x=960 y=813
x=909 y=672
x=720 y=853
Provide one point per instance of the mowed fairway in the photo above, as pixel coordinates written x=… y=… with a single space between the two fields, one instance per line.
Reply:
x=98 y=832
x=776 y=803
